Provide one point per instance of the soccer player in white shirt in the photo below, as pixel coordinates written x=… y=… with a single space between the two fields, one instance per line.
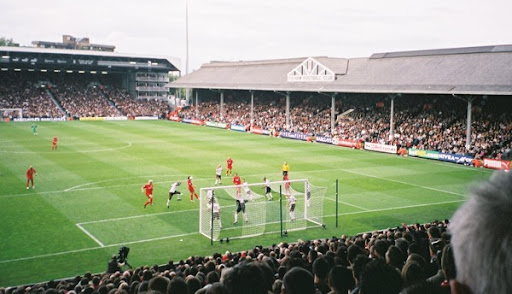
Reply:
x=173 y=192
x=268 y=189
x=291 y=207
x=245 y=185
x=218 y=174
x=213 y=205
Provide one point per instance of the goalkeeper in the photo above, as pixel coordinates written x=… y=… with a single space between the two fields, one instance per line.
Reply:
x=240 y=207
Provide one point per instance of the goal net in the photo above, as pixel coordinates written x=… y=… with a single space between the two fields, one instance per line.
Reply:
x=248 y=210
x=10 y=112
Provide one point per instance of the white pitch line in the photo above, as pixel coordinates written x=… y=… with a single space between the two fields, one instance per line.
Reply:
x=188 y=234
x=404 y=183
x=346 y=203
x=399 y=207
x=134 y=216
x=90 y=235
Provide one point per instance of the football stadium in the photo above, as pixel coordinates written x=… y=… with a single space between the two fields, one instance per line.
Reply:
x=115 y=177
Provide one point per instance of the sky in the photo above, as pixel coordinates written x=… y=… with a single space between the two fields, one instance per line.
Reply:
x=230 y=30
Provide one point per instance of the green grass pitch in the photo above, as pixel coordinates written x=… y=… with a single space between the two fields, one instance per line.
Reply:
x=88 y=201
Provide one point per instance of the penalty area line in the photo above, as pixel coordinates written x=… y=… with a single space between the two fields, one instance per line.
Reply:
x=90 y=235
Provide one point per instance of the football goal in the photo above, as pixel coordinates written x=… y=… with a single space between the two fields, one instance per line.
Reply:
x=247 y=210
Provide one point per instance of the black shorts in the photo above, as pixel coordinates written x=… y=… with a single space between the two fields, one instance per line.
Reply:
x=267 y=190
x=218 y=177
x=240 y=207
x=173 y=193
x=292 y=207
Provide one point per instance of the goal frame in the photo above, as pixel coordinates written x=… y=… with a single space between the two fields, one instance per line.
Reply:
x=206 y=217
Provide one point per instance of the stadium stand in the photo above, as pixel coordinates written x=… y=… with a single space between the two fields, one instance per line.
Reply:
x=424 y=122
x=272 y=264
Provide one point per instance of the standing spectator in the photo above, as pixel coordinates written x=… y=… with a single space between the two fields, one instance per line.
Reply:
x=481 y=238
x=31 y=172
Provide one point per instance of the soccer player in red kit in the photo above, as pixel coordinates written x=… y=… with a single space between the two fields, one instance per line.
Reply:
x=191 y=189
x=148 y=189
x=238 y=182
x=229 y=169
x=287 y=185
x=30 y=176
x=54 y=143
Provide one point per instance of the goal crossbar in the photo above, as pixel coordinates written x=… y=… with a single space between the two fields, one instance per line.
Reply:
x=241 y=211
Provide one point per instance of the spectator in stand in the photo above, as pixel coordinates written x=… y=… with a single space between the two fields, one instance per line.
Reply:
x=481 y=240
x=298 y=281
x=379 y=278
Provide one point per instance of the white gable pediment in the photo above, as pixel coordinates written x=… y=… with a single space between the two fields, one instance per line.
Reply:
x=310 y=70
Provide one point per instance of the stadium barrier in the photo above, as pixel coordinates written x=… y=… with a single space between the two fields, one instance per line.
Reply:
x=38 y=119
x=496 y=164
x=380 y=147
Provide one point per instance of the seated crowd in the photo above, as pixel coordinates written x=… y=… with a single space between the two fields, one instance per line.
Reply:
x=74 y=96
x=428 y=123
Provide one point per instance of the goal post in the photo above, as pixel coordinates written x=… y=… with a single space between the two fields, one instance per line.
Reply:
x=241 y=211
x=10 y=112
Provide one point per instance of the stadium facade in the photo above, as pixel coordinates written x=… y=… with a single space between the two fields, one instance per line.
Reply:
x=144 y=76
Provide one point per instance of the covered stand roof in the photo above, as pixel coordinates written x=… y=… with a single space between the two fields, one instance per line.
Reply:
x=474 y=70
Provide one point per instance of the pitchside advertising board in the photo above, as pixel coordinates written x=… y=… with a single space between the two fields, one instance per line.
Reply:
x=497 y=164
x=436 y=155
x=380 y=147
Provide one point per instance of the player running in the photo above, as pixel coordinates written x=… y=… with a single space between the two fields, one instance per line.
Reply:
x=229 y=169
x=191 y=189
x=31 y=172
x=172 y=192
x=55 y=141
x=148 y=190
x=218 y=175
x=236 y=181
x=268 y=189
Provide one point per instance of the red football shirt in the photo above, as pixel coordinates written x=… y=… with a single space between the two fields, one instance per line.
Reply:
x=236 y=180
x=230 y=163
x=149 y=189
x=30 y=173
x=55 y=140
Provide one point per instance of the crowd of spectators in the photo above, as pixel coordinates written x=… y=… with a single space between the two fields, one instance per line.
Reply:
x=385 y=261
x=74 y=96
x=27 y=94
x=136 y=107
x=431 y=123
